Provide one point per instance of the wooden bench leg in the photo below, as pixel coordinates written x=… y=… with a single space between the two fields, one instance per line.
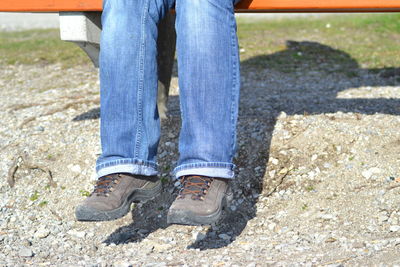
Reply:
x=84 y=29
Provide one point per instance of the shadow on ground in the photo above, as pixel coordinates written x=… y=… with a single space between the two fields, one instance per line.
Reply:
x=314 y=75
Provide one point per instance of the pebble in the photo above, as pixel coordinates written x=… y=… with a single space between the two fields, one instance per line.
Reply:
x=272 y=173
x=224 y=236
x=198 y=236
x=75 y=168
x=121 y=263
x=367 y=174
x=39 y=128
x=78 y=234
x=358 y=244
x=42 y=233
x=274 y=161
x=327 y=216
x=25 y=252
x=394 y=228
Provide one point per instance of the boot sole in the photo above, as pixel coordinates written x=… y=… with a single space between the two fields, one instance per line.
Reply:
x=189 y=218
x=84 y=213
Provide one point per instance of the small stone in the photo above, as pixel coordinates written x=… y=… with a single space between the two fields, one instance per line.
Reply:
x=25 y=252
x=377 y=247
x=39 y=128
x=394 y=228
x=42 y=233
x=143 y=231
x=367 y=174
x=122 y=264
x=44 y=254
x=75 y=168
x=274 y=161
x=170 y=144
x=26 y=243
x=198 y=236
x=78 y=234
x=283 y=171
x=327 y=165
x=271 y=226
x=327 y=216
x=383 y=218
x=314 y=157
x=358 y=245
x=224 y=236
x=163 y=154
x=272 y=173
x=330 y=240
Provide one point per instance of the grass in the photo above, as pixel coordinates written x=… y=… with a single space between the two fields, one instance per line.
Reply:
x=332 y=43
x=34 y=196
x=43 y=203
x=84 y=193
x=39 y=47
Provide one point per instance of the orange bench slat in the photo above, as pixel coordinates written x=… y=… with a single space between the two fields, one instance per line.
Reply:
x=244 y=5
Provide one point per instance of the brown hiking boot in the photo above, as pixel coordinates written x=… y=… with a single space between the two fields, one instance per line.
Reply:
x=200 y=200
x=113 y=195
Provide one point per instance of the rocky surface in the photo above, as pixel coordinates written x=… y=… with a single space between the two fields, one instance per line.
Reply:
x=318 y=177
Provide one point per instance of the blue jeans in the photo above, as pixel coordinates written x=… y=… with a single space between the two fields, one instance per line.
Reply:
x=209 y=84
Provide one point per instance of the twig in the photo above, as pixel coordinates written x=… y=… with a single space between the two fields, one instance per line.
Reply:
x=280 y=183
x=22 y=160
x=11 y=172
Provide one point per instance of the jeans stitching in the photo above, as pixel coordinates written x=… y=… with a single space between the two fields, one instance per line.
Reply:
x=224 y=165
x=234 y=84
x=139 y=99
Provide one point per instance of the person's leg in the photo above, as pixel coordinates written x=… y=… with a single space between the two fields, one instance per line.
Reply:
x=209 y=82
x=128 y=82
x=129 y=118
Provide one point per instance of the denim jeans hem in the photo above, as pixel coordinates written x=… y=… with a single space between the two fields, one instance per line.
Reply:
x=211 y=169
x=132 y=166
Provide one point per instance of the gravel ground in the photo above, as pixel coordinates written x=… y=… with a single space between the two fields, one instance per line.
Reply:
x=318 y=177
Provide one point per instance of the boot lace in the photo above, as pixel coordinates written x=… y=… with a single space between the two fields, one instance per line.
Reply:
x=106 y=184
x=194 y=185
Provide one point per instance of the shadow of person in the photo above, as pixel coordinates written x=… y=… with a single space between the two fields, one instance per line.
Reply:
x=147 y=218
x=305 y=78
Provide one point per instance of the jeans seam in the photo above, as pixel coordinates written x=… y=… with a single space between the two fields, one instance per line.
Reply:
x=234 y=84
x=141 y=79
x=220 y=165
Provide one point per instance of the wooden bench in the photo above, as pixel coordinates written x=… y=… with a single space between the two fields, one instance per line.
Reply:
x=80 y=23
x=243 y=6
